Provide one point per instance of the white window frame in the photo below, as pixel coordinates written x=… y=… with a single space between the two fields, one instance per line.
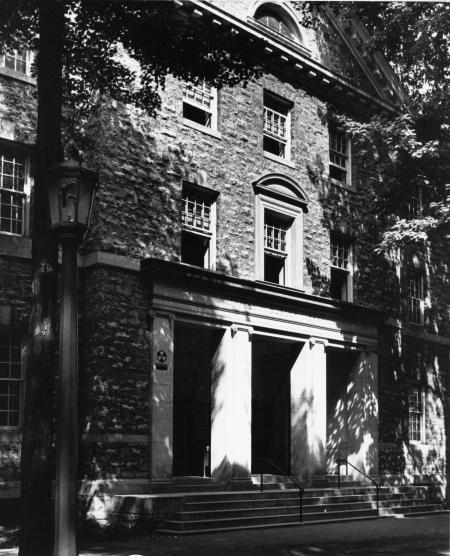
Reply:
x=348 y=268
x=270 y=134
x=419 y=400
x=334 y=130
x=9 y=380
x=293 y=269
x=25 y=194
x=211 y=110
x=200 y=195
x=28 y=61
x=416 y=305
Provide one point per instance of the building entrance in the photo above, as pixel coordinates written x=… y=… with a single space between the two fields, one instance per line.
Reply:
x=271 y=407
x=193 y=351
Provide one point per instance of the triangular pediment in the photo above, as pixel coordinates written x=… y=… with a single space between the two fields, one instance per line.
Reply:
x=376 y=73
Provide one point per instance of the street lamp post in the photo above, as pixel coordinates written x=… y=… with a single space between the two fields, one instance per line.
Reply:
x=71 y=190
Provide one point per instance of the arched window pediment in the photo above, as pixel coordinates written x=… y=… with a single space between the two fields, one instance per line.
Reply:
x=282 y=187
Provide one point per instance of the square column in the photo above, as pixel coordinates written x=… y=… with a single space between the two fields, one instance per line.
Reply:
x=231 y=395
x=161 y=402
x=309 y=410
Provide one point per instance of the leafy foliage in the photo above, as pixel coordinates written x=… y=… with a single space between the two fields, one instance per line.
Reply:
x=409 y=152
x=126 y=49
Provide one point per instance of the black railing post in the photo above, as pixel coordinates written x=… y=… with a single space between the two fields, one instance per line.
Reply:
x=338 y=461
x=262 y=483
x=378 y=499
x=300 y=491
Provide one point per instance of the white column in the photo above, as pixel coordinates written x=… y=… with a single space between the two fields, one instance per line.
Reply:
x=161 y=403
x=231 y=396
x=309 y=410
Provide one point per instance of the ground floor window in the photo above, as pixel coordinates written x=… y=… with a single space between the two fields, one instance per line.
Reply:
x=10 y=379
x=416 y=414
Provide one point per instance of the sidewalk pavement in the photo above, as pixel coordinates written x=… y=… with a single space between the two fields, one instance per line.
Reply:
x=414 y=536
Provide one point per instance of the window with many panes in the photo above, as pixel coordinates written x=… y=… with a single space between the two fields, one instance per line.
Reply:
x=415 y=296
x=200 y=105
x=198 y=221
x=276 y=231
x=16 y=60
x=13 y=190
x=277 y=126
x=10 y=379
x=279 y=234
x=416 y=414
x=341 y=259
x=340 y=151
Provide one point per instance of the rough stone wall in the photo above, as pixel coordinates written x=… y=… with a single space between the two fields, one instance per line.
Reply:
x=114 y=373
x=17 y=123
x=17 y=106
x=407 y=362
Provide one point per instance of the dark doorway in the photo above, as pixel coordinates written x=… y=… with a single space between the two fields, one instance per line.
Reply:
x=271 y=405
x=193 y=351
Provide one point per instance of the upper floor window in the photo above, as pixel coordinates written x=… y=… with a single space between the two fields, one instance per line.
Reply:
x=277 y=21
x=10 y=379
x=200 y=105
x=414 y=204
x=16 y=60
x=341 y=273
x=279 y=231
x=13 y=190
x=198 y=220
x=277 y=126
x=416 y=414
x=340 y=156
x=415 y=287
x=276 y=246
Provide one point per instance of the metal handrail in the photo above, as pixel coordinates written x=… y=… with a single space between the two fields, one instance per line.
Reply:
x=296 y=483
x=341 y=461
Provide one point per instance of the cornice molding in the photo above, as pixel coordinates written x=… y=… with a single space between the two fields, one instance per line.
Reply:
x=301 y=67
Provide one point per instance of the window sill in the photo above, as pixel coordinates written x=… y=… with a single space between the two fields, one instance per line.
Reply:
x=202 y=128
x=18 y=76
x=10 y=434
x=346 y=186
x=279 y=159
x=15 y=246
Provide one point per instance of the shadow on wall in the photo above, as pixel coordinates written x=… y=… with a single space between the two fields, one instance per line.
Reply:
x=320 y=283
x=352 y=407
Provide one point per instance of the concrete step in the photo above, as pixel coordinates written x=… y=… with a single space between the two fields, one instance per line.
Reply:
x=228 y=510
x=292 y=499
x=201 y=510
x=186 y=526
x=308 y=493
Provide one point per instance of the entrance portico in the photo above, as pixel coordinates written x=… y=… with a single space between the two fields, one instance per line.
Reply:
x=254 y=390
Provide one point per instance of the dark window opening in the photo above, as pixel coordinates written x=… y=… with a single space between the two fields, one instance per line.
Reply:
x=194 y=248
x=274 y=147
x=274 y=269
x=339 y=284
x=338 y=174
x=196 y=115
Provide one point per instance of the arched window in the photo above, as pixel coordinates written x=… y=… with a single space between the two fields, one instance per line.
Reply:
x=273 y=17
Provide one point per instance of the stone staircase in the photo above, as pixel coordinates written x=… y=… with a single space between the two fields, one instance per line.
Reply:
x=278 y=505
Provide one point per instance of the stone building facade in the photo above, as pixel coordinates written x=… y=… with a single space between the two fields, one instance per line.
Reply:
x=234 y=315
